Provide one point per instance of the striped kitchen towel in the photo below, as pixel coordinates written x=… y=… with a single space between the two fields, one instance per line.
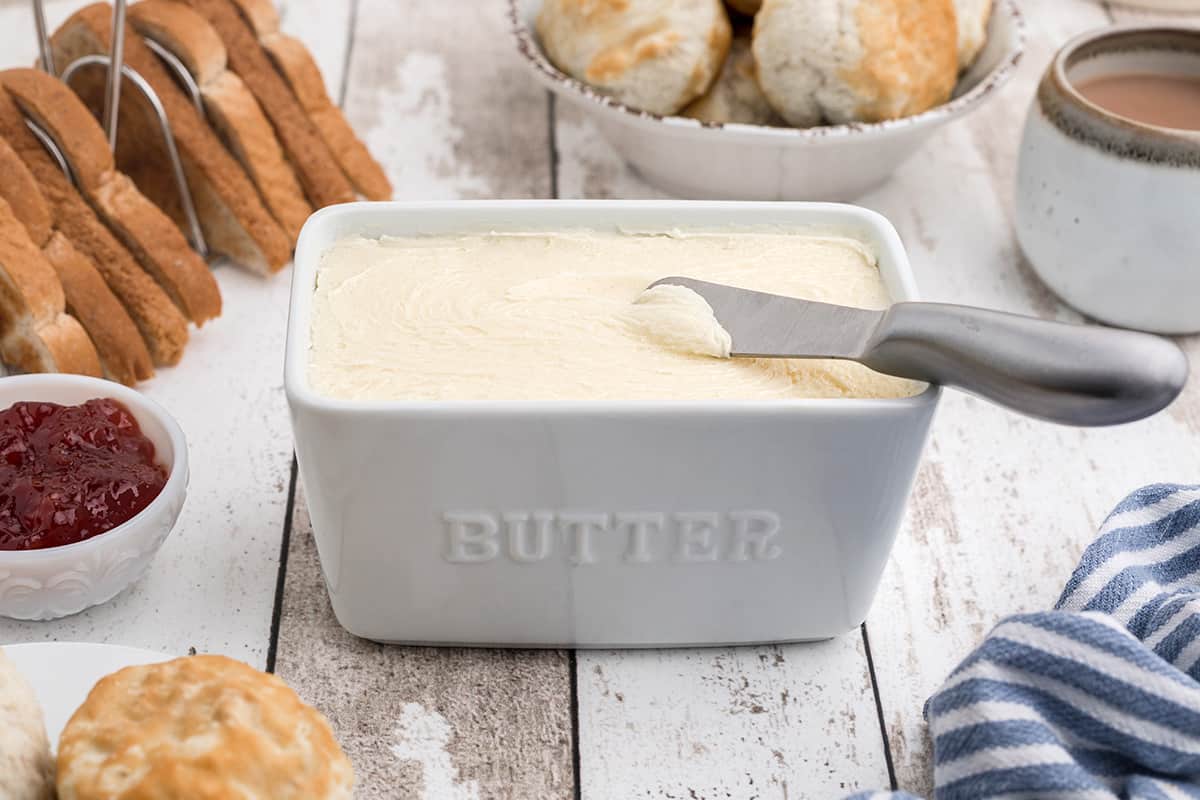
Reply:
x=1099 y=698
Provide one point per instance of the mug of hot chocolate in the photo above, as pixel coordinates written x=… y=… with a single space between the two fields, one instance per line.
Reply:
x=1108 y=183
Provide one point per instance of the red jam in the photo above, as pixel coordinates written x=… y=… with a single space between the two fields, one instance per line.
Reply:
x=68 y=473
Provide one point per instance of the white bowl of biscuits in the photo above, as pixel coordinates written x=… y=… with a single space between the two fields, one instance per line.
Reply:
x=769 y=99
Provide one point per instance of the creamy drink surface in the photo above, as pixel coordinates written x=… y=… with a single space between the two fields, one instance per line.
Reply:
x=1168 y=101
x=555 y=316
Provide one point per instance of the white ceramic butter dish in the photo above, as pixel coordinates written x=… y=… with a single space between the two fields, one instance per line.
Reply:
x=600 y=523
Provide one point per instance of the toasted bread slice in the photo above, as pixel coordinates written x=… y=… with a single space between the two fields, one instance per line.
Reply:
x=123 y=354
x=148 y=233
x=297 y=66
x=230 y=106
x=234 y=219
x=261 y=15
x=319 y=173
x=20 y=189
x=162 y=326
x=36 y=332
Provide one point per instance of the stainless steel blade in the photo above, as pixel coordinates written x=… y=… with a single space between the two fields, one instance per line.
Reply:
x=772 y=326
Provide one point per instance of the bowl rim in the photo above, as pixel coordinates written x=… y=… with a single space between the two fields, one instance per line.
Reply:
x=309 y=249
x=558 y=81
x=177 y=474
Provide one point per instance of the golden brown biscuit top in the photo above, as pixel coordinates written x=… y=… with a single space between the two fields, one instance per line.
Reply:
x=910 y=53
x=202 y=728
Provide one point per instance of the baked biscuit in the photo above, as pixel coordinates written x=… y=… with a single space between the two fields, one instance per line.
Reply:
x=735 y=96
x=973 y=18
x=26 y=764
x=199 y=728
x=855 y=60
x=656 y=55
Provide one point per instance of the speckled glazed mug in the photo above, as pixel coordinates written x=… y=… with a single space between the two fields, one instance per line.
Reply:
x=1108 y=208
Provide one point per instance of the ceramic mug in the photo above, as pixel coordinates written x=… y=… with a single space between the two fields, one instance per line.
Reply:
x=1108 y=208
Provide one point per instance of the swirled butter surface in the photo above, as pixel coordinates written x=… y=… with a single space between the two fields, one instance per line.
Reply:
x=562 y=316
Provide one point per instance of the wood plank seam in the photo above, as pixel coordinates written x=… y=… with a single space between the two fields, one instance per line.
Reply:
x=572 y=661
x=887 y=745
x=281 y=575
x=551 y=122
x=573 y=667
x=351 y=29
x=289 y=514
x=429 y=722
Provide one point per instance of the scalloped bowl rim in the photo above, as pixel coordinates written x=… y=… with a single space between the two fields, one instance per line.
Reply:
x=558 y=81
x=177 y=474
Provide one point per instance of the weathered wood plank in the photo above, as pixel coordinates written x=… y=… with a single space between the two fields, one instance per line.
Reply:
x=794 y=721
x=422 y=722
x=325 y=29
x=213 y=585
x=437 y=104
x=1003 y=506
x=791 y=721
x=588 y=166
x=441 y=100
x=943 y=590
x=17 y=35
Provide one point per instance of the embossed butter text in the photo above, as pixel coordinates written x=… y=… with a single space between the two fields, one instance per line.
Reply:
x=635 y=537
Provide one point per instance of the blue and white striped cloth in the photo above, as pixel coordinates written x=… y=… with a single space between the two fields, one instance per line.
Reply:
x=1099 y=698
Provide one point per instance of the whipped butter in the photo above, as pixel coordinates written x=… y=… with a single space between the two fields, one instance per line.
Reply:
x=565 y=316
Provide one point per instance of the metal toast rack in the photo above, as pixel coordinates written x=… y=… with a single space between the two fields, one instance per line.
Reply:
x=112 y=100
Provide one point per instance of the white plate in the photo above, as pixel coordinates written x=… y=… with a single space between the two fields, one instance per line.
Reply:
x=63 y=673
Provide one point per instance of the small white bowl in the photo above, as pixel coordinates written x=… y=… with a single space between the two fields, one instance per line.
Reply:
x=60 y=581
x=730 y=161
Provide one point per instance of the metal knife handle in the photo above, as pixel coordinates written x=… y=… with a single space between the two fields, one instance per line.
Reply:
x=1072 y=374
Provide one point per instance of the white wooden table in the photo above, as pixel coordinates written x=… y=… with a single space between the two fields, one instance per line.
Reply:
x=1002 y=508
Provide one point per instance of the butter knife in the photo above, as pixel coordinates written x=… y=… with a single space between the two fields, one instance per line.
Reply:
x=1080 y=375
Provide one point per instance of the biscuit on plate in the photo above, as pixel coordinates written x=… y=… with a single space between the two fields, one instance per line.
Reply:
x=199 y=728
x=26 y=765
x=973 y=17
x=855 y=60
x=655 y=55
x=735 y=96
